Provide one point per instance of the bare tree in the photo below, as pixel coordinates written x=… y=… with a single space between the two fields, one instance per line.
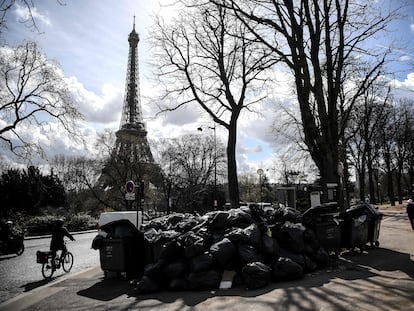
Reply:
x=191 y=165
x=7 y=5
x=33 y=93
x=318 y=50
x=365 y=120
x=29 y=20
x=207 y=58
x=404 y=136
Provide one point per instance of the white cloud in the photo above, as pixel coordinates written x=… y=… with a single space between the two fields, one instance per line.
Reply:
x=412 y=27
x=23 y=14
x=404 y=58
x=106 y=108
x=403 y=88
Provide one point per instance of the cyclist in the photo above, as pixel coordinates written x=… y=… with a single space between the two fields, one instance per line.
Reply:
x=57 y=243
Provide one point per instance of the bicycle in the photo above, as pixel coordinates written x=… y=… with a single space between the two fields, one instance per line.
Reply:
x=50 y=264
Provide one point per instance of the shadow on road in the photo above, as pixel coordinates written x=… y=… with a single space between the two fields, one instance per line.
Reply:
x=383 y=259
x=32 y=285
x=357 y=268
x=107 y=289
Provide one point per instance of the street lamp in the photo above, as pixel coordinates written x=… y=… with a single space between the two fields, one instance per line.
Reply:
x=260 y=172
x=215 y=162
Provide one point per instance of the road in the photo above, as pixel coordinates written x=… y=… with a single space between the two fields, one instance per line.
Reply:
x=20 y=274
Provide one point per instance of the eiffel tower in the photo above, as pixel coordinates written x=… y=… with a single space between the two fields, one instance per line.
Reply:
x=131 y=157
x=131 y=138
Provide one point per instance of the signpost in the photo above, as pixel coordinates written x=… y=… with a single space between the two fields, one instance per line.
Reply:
x=135 y=192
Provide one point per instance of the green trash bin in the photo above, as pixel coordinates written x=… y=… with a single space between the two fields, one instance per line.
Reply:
x=355 y=228
x=328 y=234
x=113 y=256
x=122 y=251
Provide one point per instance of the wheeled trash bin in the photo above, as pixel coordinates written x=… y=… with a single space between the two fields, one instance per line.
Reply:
x=374 y=225
x=355 y=228
x=122 y=250
x=324 y=222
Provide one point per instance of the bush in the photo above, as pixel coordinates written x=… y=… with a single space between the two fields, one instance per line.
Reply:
x=44 y=224
x=81 y=222
x=40 y=224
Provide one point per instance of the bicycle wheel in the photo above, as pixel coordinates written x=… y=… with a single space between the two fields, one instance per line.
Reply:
x=47 y=269
x=67 y=262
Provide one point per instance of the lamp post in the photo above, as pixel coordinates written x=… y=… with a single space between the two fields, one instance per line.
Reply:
x=260 y=173
x=215 y=203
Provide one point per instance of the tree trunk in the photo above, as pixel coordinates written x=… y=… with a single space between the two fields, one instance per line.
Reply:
x=361 y=177
x=411 y=179
x=390 y=182
x=399 y=184
x=234 y=195
x=370 y=177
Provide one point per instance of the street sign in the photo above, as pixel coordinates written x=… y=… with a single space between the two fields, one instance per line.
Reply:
x=130 y=196
x=129 y=187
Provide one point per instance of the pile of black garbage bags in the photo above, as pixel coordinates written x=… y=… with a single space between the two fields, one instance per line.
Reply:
x=191 y=252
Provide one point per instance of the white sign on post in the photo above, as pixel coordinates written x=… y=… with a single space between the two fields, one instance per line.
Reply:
x=130 y=196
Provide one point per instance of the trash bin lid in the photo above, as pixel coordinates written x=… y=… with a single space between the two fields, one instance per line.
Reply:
x=113 y=225
x=324 y=208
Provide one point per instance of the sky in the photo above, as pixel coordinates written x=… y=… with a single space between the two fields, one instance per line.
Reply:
x=89 y=40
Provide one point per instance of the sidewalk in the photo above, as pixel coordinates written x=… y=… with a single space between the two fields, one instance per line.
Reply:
x=379 y=279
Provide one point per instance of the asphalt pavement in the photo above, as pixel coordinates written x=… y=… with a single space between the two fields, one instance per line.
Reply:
x=377 y=279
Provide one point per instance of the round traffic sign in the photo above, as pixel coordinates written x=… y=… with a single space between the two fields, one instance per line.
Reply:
x=129 y=187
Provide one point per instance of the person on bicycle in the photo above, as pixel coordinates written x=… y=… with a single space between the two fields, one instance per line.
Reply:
x=58 y=234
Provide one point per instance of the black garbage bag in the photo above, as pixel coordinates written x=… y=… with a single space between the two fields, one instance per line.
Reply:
x=186 y=224
x=290 y=237
x=234 y=234
x=248 y=253
x=204 y=280
x=285 y=269
x=321 y=258
x=176 y=269
x=296 y=257
x=270 y=246
x=178 y=284
x=97 y=242
x=146 y=285
x=310 y=240
x=256 y=275
x=170 y=251
x=241 y=217
x=310 y=265
x=218 y=221
x=168 y=222
x=155 y=271
x=252 y=235
x=285 y=213
x=202 y=262
x=153 y=236
x=223 y=252
x=193 y=244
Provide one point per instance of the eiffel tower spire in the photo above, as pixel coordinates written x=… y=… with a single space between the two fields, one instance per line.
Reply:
x=131 y=139
x=132 y=113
